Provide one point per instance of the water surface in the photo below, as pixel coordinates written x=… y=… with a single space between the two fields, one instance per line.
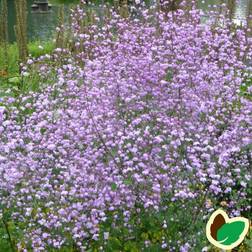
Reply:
x=40 y=25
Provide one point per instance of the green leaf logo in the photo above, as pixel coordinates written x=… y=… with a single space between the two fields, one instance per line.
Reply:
x=230 y=232
x=226 y=233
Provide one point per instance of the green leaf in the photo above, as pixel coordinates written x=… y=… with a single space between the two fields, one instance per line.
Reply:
x=169 y=75
x=249 y=243
x=42 y=130
x=113 y=186
x=131 y=246
x=114 y=244
x=230 y=232
x=128 y=181
x=14 y=80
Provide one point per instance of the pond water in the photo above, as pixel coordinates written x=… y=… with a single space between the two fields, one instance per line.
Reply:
x=41 y=26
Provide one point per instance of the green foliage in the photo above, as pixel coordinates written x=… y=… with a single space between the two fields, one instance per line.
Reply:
x=146 y=227
x=12 y=59
x=10 y=78
x=35 y=49
x=38 y=48
x=244 y=88
x=4 y=244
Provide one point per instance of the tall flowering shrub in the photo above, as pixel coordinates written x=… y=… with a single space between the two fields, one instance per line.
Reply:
x=146 y=113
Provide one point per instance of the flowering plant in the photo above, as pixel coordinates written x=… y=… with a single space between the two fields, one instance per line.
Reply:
x=146 y=122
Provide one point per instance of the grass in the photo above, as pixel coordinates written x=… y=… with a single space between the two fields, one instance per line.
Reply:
x=10 y=81
x=35 y=49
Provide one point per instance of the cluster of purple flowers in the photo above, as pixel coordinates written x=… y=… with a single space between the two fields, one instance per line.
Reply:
x=143 y=108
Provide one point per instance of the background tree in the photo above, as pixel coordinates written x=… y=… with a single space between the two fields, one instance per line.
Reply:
x=231 y=7
x=21 y=29
x=4 y=33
